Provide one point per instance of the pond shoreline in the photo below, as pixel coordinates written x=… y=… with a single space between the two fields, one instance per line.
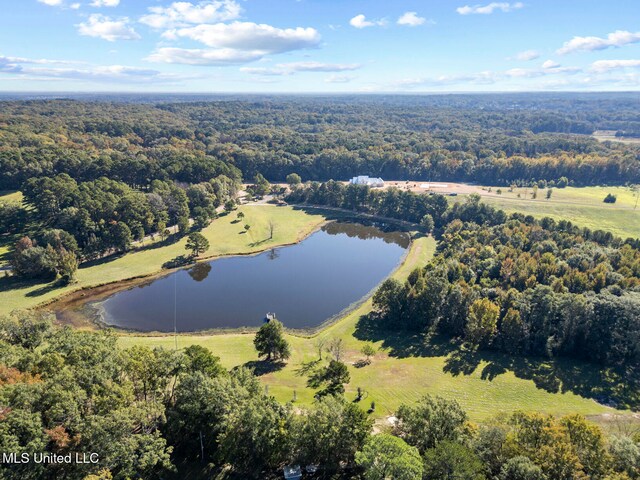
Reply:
x=83 y=308
x=296 y=332
x=65 y=304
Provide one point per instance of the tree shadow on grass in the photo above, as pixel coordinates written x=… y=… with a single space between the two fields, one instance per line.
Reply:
x=606 y=385
x=307 y=368
x=179 y=261
x=401 y=343
x=15 y=283
x=49 y=287
x=101 y=260
x=461 y=362
x=259 y=242
x=264 y=367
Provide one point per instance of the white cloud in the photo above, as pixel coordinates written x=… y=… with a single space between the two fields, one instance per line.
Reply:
x=527 y=55
x=295 y=67
x=485 y=77
x=360 y=21
x=264 y=71
x=196 y=56
x=181 y=14
x=60 y=3
x=248 y=36
x=339 y=78
x=411 y=19
x=480 y=78
x=107 y=74
x=104 y=27
x=234 y=43
x=548 y=68
x=41 y=61
x=587 y=44
x=489 y=8
x=319 y=67
x=604 y=66
x=105 y=3
x=522 y=73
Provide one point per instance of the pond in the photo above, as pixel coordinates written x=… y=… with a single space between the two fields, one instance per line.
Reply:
x=303 y=284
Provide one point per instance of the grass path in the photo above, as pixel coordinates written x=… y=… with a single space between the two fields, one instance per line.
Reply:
x=225 y=235
x=389 y=380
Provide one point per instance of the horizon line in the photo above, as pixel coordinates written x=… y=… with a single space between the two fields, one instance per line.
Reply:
x=423 y=92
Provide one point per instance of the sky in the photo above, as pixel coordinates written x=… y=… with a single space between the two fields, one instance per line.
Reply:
x=333 y=46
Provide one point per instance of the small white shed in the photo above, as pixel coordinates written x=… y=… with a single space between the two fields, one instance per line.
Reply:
x=292 y=472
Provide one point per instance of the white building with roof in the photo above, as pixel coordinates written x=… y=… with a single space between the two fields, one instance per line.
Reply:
x=368 y=181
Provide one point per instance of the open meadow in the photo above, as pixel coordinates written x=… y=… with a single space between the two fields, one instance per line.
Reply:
x=583 y=206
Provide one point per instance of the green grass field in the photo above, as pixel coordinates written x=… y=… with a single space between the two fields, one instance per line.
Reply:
x=225 y=237
x=391 y=380
x=11 y=196
x=582 y=206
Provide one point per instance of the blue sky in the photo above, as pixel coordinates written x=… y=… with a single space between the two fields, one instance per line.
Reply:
x=319 y=45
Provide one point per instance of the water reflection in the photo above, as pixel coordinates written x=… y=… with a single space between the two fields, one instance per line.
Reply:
x=200 y=271
x=304 y=284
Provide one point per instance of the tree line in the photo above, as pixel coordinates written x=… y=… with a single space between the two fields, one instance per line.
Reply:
x=158 y=413
x=490 y=140
x=82 y=221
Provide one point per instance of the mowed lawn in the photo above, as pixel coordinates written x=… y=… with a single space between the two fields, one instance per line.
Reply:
x=226 y=236
x=389 y=380
x=583 y=206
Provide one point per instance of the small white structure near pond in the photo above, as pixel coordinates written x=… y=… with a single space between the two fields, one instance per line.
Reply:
x=292 y=472
x=368 y=181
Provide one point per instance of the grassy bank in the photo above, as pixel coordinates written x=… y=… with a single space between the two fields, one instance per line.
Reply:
x=226 y=236
x=401 y=371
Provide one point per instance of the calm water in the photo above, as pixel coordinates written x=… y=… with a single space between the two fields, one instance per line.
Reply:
x=304 y=284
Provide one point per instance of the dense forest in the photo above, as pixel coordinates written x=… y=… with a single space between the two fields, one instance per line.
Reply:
x=515 y=284
x=81 y=221
x=178 y=414
x=526 y=288
x=489 y=139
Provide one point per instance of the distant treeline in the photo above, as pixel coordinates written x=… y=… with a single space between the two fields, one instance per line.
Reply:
x=486 y=139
